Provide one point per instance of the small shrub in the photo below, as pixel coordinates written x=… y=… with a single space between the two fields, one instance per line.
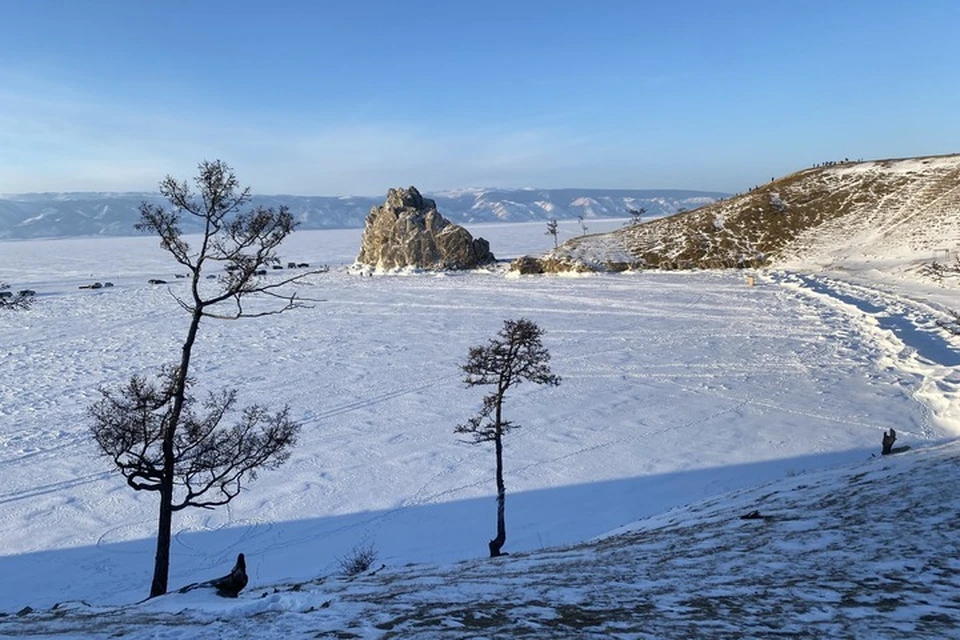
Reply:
x=937 y=271
x=358 y=560
x=952 y=324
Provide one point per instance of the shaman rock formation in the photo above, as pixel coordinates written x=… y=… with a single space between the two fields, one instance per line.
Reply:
x=408 y=231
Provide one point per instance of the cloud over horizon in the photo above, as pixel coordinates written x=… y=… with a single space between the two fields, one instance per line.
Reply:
x=75 y=141
x=335 y=99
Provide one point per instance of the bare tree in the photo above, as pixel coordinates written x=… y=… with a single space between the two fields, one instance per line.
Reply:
x=636 y=215
x=515 y=355
x=552 y=231
x=11 y=301
x=583 y=225
x=154 y=433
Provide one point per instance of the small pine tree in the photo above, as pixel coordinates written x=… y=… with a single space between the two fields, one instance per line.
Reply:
x=515 y=355
x=552 y=231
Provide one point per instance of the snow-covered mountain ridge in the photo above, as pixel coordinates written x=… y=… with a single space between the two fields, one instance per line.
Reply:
x=51 y=215
x=849 y=215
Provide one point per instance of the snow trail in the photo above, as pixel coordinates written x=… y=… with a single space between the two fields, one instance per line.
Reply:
x=906 y=335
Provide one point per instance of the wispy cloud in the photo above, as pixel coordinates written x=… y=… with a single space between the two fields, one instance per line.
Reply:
x=58 y=138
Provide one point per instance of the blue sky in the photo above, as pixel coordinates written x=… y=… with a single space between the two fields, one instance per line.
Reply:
x=334 y=98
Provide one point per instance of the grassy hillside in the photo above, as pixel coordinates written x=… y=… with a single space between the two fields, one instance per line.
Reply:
x=906 y=208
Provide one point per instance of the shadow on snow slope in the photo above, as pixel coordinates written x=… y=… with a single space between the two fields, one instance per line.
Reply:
x=866 y=550
x=119 y=572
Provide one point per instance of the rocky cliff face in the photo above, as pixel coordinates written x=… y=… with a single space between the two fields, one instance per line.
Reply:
x=408 y=231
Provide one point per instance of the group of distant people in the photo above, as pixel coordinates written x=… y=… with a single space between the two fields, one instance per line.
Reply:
x=833 y=163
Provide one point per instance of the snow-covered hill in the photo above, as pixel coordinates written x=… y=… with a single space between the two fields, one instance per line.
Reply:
x=868 y=550
x=889 y=214
x=48 y=215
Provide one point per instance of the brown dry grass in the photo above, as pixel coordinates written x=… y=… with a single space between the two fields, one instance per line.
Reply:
x=752 y=229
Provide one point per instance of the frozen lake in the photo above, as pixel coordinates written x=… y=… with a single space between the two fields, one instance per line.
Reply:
x=676 y=386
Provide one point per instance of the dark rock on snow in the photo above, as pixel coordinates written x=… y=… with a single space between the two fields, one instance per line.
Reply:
x=230 y=585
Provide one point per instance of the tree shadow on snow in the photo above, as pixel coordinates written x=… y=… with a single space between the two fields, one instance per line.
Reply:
x=440 y=532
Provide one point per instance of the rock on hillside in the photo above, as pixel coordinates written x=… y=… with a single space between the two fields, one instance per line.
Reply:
x=840 y=216
x=408 y=231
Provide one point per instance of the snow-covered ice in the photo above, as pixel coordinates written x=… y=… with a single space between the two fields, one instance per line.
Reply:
x=677 y=387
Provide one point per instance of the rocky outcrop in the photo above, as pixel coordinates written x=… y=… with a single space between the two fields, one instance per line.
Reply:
x=408 y=231
x=532 y=265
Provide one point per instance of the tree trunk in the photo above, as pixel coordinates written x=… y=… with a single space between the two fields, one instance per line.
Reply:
x=161 y=564
x=497 y=543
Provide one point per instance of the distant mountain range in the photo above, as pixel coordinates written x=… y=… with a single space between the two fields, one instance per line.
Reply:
x=46 y=215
